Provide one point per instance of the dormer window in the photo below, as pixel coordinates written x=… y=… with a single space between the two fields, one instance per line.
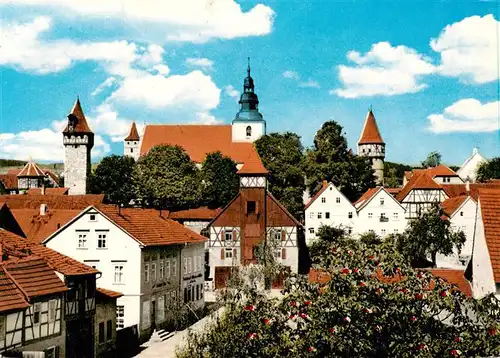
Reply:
x=249 y=131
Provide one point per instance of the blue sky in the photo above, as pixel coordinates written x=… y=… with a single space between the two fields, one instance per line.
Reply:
x=428 y=68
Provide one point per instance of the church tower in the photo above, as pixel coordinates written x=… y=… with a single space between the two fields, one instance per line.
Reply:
x=248 y=125
x=78 y=140
x=371 y=145
x=132 y=143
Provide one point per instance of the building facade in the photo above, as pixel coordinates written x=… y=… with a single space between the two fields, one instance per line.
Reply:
x=468 y=170
x=132 y=145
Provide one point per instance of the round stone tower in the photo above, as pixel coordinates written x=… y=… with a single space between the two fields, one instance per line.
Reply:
x=371 y=145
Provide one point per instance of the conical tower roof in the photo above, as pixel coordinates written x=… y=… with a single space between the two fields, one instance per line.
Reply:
x=133 y=135
x=370 y=133
x=77 y=123
x=31 y=170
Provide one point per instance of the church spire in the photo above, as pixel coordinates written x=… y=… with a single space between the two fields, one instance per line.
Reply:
x=249 y=102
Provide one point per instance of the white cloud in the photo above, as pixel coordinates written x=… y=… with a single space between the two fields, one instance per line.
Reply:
x=384 y=70
x=187 y=20
x=309 y=84
x=23 y=49
x=106 y=121
x=469 y=49
x=194 y=90
x=231 y=91
x=108 y=82
x=291 y=74
x=466 y=115
x=203 y=63
x=44 y=144
x=206 y=118
x=162 y=69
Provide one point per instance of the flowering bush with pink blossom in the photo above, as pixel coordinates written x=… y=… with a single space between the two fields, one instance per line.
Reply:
x=373 y=305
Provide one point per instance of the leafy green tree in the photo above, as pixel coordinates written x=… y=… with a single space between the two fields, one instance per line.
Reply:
x=331 y=160
x=369 y=304
x=394 y=173
x=220 y=182
x=282 y=155
x=433 y=160
x=429 y=235
x=2 y=189
x=114 y=178
x=489 y=170
x=167 y=178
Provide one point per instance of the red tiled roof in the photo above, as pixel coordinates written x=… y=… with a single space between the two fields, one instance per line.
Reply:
x=11 y=297
x=133 y=135
x=370 y=133
x=489 y=200
x=419 y=180
x=34 y=276
x=81 y=123
x=450 y=205
x=38 y=227
x=109 y=293
x=441 y=170
x=31 y=169
x=9 y=181
x=367 y=195
x=48 y=191
x=202 y=213
x=53 y=176
x=67 y=202
x=198 y=141
x=393 y=191
x=148 y=227
x=62 y=263
x=454 y=277
x=317 y=195
x=408 y=174
x=253 y=165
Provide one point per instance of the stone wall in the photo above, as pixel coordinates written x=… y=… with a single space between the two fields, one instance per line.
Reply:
x=76 y=168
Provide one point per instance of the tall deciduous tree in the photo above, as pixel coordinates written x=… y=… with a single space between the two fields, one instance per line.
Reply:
x=429 y=235
x=219 y=180
x=114 y=178
x=489 y=170
x=433 y=160
x=282 y=155
x=167 y=178
x=331 y=160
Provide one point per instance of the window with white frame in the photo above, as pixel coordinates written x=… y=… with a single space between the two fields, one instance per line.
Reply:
x=92 y=217
x=229 y=253
x=311 y=230
x=371 y=231
x=120 y=316
x=382 y=201
x=36 y=313
x=92 y=263
x=395 y=216
x=228 y=238
x=370 y=215
x=190 y=264
x=101 y=241
x=311 y=215
x=382 y=232
x=82 y=240
x=327 y=215
x=52 y=310
x=396 y=231
x=146 y=273
x=323 y=200
x=185 y=265
x=319 y=215
x=349 y=230
x=153 y=272
x=119 y=278
x=167 y=268
x=337 y=199
x=349 y=214
x=161 y=270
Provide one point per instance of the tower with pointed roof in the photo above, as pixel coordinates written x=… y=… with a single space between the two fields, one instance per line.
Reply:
x=132 y=143
x=248 y=124
x=371 y=145
x=31 y=176
x=78 y=140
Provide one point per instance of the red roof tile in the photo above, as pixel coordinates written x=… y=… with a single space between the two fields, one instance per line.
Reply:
x=317 y=195
x=201 y=213
x=133 y=135
x=11 y=297
x=67 y=202
x=454 y=277
x=109 y=293
x=489 y=200
x=148 y=227
x=441 y=170
x=34 y=276
x=48 y=191
x=9 y=181
x=81 y=122
x=393 y=191
x=419 y=180
x=370 y=133
x=62 y=263
x=198 y=141
x=367 y=195
x=450 y=205
x=253 y=166
x=31 y=169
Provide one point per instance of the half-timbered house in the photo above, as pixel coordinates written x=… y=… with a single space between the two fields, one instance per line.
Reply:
x=254 y=215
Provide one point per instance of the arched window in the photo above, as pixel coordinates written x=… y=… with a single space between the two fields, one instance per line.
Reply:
x=249 y=131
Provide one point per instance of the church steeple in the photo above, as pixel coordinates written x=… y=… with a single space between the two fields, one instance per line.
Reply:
x=249 y=102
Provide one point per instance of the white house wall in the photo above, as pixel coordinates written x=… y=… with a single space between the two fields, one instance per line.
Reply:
x=338 y=212
x=239 y=131
x=121 y=250
x=369 y=216
x=469 y=168
x=483 y=281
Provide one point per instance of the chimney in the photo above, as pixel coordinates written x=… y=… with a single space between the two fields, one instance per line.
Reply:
x=325 y=183
x=43 y=209
x=43 y=189
x=467 y=185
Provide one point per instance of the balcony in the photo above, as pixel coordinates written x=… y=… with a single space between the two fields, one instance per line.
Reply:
x=384 y=219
